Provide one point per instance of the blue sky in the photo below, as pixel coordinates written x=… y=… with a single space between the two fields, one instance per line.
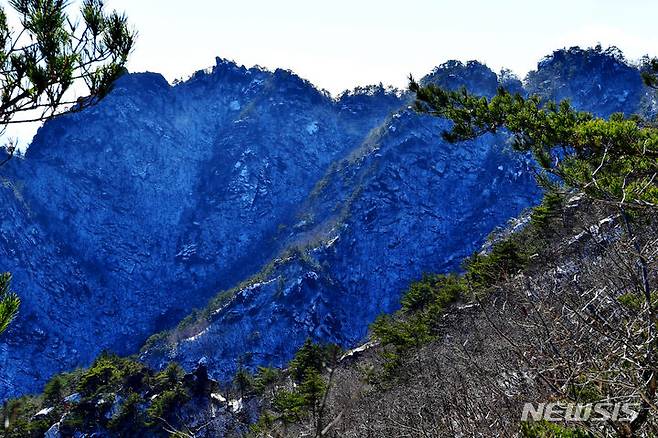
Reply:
x=339 y=44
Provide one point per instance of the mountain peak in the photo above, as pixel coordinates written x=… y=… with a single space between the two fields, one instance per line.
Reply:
x=454 y=74
x=143 y=80
x=598 y=80
x=611 y=56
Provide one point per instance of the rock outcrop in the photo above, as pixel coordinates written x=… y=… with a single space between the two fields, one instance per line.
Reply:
x=123 y=218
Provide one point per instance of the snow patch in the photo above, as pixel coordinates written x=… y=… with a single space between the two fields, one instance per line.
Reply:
x=358 y=350
x=217 y=396
x=197 y=336
x=312 y=128
x=235 y=405
x=44 y=412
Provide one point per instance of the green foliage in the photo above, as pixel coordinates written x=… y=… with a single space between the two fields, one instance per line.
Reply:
x=243 y=381
x=156 y=341
x=51 y=52
x=545 y=220
x=312 y=390
x=19 y=413
x=265 y=378
x=398 y=337
x=189 y=321
x=53 y=392
x=9 y=302
x=74 y=421
x=109 y=373
x=130 y=420
x=433 y=290
x=165 y=404
x=635 y=301
x=612 y=160
x=145 y=399
x=103 y=375
x=169 y=377
x=311 y=357
x=505 y=259
x=403 y=334
x=543 y=214
x=292 y=406
x=264 y=425
x=422 y=305
x=545 y=429
x=650 y=73
x=586 y=392
x=27 y=429
x=289 y=405
x=414 y=326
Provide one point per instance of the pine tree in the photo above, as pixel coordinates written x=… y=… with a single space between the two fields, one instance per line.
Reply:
x=650 y=73
x=9 y=302
x=614 y=162
x=45 y=63
x=243 y=381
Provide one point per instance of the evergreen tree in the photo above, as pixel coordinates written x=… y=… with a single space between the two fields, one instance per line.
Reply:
x=45 y=63
x=9 y=302
x=650 y=73
x=243 y=381
x=613 y=162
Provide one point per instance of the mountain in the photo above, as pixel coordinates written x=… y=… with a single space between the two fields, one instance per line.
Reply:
x=404 y=204
x=356 y=260
x=123 y=218
x=312 y=213
x=600 y=81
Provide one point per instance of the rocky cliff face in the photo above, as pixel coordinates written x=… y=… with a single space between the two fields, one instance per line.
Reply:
x=600 y=81
x=123 y=218
x=414 y=205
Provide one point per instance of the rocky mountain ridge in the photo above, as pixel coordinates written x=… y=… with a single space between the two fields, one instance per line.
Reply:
x=123 y=218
